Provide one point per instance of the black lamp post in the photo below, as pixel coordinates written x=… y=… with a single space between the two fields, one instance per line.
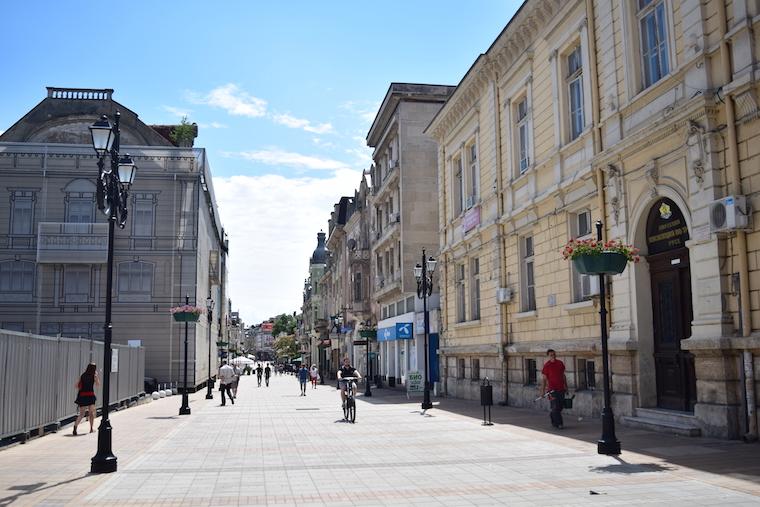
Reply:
x=185 y=408
x=209 y=313
x=424 y=278
x=609 y=443
x=113 y=184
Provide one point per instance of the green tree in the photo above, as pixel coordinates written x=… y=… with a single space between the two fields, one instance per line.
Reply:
x=284 y=323
x=184 y=133
x=286 y=346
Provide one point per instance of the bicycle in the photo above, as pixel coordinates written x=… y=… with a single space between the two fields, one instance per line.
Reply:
x=349 y=408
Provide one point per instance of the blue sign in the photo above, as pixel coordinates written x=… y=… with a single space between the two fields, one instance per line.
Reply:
x=404 y=330
x=398 y=331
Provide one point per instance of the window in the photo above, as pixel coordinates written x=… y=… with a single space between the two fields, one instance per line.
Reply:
x=379 y=221
x=17 y=277
x=385 y=312
x=391 y=311
x=392 y=263
x=528 y=278
x=135 y=280
x=475 y=289
x=472 y=160
x=22 y=212
x=143 y=218
x=521 y=120
x=459 y=277
x=358 y=293
x=590 y=374
x=586 y=374
x=584 y=286
x=80 y=211
x=458 y=187
x=75 y=329
x=410 y=304
x=531 y=374
x=475 y=369
x=653 y=39
x=400 y=308
x=76 y=284
x=50 y=328
x=574 y=81
x=460 y=368
x=13 y=326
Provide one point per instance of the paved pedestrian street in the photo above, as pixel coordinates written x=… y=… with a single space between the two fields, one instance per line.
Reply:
x=274 y=447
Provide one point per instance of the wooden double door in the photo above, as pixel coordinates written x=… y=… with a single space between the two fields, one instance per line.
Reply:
x=672 y=316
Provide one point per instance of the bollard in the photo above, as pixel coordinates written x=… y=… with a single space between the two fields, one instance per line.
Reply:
x=486 y=399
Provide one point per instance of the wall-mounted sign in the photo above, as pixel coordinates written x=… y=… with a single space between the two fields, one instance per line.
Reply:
x=397 y=331
x=471 y=219
x=666 y=227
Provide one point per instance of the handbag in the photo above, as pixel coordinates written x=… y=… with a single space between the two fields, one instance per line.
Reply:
x=567 y=403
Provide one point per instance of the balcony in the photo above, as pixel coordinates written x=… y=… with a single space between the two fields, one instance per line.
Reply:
x=360 y=255
x=68 y=243
x=386 y=284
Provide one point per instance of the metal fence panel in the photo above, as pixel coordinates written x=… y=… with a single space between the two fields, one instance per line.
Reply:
x=39 y=374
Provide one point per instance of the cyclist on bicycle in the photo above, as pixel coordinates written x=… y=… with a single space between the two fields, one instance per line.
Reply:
x=259 y=372
x=267 y=373
x=346 y=371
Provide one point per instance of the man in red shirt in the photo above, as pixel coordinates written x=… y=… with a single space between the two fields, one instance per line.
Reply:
x=555 y=383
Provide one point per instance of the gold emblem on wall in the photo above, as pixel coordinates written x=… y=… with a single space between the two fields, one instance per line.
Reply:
x=665 y=211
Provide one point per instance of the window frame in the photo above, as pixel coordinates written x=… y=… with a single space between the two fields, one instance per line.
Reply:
x=522 y=143
x=131 y=294
x=26 y=271
x=475 y=288
x=527 y=273
x=475 y=368
x=75 y=294
x=461 y=295
x=577 y=279
x=472 y=183
x=574 y=78
x=25 y=197
x=461 y=367
x=530 y=370
x=662 y=46
x=458 y=189
x=147 y=202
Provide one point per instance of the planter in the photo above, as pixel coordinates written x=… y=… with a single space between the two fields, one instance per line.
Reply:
x=368 y=333
x=608 y=263
x=186 y=316
x=221 y=344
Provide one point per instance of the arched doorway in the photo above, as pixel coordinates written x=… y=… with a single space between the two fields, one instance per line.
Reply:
x=670 y=277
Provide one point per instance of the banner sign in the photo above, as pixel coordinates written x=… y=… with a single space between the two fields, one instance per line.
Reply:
x=398 y=331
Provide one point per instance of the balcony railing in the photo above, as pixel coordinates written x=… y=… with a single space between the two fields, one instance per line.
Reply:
x=69 y=243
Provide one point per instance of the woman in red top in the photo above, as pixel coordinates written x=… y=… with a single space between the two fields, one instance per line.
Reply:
x=86 y=395
x=554 y=382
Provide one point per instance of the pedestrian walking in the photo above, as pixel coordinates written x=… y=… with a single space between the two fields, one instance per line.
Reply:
x=226 y=377
x=554 y=383
x=314 y=375
x=303 y=378
x=267 y=373
x=86 y=399
x=259 y=373
x=236 y=381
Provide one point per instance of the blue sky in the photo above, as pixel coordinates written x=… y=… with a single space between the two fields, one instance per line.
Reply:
x=283 y=92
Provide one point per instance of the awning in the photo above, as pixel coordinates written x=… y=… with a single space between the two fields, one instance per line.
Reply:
x=324 y=343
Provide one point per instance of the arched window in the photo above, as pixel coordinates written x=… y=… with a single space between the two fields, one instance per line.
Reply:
x=80 y=202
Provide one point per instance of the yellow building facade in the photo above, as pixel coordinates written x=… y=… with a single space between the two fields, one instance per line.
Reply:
x=641 y=114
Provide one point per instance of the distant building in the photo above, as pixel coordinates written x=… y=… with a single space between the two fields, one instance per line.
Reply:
x=53 y=239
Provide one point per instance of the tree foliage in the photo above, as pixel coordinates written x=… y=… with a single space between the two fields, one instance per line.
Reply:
x=286 y=346
x=284 y=323
x=184 y=133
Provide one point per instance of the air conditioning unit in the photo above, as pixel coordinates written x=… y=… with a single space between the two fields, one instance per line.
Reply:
x=729 y=213
x=503 y=295
x=471 y=201
x=589 y=286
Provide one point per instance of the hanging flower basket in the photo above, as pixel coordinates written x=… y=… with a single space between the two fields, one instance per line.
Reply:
x=593 y=257
x=221 y=344
x=368 y=333
x=187 y=313
x=608 y=263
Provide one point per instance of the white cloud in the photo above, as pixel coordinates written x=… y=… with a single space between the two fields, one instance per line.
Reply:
x=272 y=222
x=177 y=111
x=289 y=159
x=361 y=152
x=366 y=110
x=232 y=99
x=212 y=125
x=299 y=123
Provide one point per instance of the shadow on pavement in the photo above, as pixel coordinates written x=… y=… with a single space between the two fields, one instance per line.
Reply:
x=28 y=489
x=731 y=458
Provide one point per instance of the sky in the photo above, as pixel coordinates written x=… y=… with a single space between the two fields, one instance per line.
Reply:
x=283 y=94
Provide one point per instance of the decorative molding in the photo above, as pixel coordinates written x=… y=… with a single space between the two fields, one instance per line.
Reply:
x=695 y=150
x=615 y=192
x=652 y=176
x=746 y=104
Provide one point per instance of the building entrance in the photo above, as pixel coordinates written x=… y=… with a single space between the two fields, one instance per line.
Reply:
x=671 y=306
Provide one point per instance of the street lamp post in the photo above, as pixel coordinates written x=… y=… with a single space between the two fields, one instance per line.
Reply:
x=424 y=278
x=609 y=443
x=185 y=408
x=209 y=313
x=114 y=181
x=367 y=389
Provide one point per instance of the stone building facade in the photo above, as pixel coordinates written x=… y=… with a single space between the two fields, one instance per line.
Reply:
x=53 y=240
x=404 y=220
x=642 y=115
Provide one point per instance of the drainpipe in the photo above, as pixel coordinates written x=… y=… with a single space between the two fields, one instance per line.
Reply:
x=740 y=239
x=597 y=129
x=499 y=183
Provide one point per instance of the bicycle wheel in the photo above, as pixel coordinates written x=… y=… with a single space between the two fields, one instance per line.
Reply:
x=345 y=410
x=351 y=408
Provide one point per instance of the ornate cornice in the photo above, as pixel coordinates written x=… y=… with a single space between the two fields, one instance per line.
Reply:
x=512 y=43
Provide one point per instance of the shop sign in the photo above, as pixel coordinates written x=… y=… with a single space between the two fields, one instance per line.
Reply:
x=414 y=382
x=471 y=219
x=397 y=331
